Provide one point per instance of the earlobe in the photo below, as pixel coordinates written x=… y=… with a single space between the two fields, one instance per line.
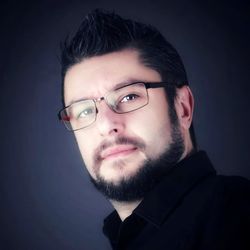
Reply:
x=184 y=106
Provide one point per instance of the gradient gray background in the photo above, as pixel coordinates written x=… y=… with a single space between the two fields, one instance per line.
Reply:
x=47 y=201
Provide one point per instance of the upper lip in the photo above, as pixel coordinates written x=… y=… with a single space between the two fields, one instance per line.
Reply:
x=116 y=150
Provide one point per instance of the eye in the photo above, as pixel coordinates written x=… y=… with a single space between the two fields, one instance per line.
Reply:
x=129 y=97
x=86 y=112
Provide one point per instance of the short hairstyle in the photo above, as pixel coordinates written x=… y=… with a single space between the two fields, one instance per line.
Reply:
x=103 y=32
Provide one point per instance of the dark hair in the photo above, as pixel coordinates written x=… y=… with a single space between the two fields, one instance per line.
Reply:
x=103 y=32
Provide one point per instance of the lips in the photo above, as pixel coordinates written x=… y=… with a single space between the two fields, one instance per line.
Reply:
x=116 y=151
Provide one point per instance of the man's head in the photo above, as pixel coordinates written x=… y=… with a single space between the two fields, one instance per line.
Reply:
x=127 y=153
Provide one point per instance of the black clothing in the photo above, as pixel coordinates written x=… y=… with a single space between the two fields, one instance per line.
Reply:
x=192 y=208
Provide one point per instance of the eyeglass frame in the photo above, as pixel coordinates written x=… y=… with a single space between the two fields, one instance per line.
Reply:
x=148 y=85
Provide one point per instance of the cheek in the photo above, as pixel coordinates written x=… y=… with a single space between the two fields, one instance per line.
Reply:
x=86 y=148
x=153 y=128
x=159 y=138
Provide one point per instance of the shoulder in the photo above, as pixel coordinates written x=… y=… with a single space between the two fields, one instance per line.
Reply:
x=233 y=185
x=223 y=195
x=223 y=217
x=232 y=193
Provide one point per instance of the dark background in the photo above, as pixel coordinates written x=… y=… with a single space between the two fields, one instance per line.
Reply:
x=46 y=199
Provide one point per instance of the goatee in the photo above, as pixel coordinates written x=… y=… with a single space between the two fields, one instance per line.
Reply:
x=148 y=175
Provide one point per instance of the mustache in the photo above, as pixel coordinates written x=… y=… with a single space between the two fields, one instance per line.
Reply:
x=121 y=140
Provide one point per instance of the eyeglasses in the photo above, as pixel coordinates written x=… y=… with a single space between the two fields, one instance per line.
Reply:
x=125 y=99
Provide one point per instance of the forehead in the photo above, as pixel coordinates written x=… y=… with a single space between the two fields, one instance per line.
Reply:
x=97 y=75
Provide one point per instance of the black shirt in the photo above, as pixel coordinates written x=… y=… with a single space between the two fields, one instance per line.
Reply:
x=192 y=208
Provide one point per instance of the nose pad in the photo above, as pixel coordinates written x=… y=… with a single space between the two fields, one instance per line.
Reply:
x=106 y=102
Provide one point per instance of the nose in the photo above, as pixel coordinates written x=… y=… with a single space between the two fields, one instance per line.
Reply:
x=108 y=122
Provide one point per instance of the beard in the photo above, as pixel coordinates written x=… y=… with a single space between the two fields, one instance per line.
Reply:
x=148 y=175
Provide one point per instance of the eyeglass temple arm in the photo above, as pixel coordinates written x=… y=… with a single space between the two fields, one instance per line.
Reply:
x=154 y=85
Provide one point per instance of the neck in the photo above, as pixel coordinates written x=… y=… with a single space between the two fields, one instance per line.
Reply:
x=124 y=209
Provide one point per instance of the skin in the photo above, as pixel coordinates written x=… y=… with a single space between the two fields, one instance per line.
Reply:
x=150 y=125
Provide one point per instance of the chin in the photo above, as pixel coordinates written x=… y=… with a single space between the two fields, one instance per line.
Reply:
x=118 y=176
x=119 y=170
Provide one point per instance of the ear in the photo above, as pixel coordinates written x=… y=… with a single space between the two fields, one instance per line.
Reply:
x=184 y=104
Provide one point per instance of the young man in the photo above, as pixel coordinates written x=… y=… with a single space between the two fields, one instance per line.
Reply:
x=126 y=97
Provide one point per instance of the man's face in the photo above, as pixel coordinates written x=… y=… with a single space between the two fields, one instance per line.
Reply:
x=117 y=146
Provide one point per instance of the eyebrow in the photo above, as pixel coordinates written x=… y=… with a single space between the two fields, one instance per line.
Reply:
x=115 y=87
x=125 y=83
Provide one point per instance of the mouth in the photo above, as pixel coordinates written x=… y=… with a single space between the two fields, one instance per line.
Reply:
x=118 y=151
